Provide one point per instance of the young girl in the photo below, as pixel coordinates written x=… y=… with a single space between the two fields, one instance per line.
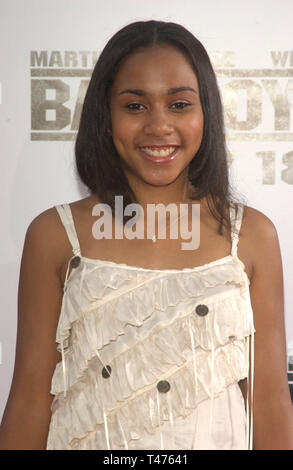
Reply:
x=158 y=347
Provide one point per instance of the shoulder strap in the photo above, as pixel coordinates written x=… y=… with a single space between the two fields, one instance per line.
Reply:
x=236 y=220
x=65 y=214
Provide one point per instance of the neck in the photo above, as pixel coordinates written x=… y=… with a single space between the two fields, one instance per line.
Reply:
x=173 y=193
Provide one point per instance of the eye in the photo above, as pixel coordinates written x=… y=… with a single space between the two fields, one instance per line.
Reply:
x=134 y=107
x=180 y=105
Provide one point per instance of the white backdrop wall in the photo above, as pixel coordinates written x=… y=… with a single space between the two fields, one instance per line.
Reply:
x=48 y=48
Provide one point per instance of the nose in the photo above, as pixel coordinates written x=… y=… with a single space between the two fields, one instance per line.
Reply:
x=158 y=123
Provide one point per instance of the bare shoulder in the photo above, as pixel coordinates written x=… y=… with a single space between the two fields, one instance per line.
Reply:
x=44 y=223
x=46 y=237
x=256 y=221
x=260 y=232
x=46 y=233
x=261 y=240
x=258 y=237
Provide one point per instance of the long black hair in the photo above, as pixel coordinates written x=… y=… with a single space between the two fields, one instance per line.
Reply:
x=97 y=160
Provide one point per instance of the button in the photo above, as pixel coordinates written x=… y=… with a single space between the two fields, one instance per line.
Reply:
x=106 y=372
x=202 y=310
x=75 y=262
x=163 y=386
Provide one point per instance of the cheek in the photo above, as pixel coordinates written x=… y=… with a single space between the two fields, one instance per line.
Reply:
x=194 y=129
x=123 y=131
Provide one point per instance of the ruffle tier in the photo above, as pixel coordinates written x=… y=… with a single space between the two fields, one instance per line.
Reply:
x=134 y=294
x=163 y=341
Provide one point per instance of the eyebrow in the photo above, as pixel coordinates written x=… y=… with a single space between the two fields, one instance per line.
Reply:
x=171 y=91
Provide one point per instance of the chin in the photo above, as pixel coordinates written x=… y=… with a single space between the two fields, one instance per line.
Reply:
x=157 y=182
x=156 y=177
x=165 y=177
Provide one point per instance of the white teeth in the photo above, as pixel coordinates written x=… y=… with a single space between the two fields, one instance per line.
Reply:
x=164 y=152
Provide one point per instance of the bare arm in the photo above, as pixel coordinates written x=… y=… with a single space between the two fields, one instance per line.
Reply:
x=273 y=411
x=26 y=418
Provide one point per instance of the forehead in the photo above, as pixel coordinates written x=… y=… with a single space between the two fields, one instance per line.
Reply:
x=155 y=67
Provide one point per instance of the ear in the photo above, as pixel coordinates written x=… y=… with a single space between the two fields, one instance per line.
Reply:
x=108 y=132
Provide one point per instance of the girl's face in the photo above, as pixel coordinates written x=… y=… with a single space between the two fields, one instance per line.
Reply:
x=156 y=114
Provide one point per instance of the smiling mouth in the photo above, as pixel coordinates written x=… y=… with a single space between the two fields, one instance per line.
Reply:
x=163 y=151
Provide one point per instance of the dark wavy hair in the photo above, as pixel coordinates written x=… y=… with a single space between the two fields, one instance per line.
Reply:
x=97 y=160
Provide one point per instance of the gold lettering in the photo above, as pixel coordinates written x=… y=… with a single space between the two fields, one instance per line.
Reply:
x=79 y=103
x=268 y=166
x=55 y=59
x=39 y=59
x=279 y=58
x=229 y=59
x=289 y=92
x=223 y=59
x=287 y=174
x=254 y=102
x=70 y=59
x=280 y=103
x=39 y=104
x=84 y=55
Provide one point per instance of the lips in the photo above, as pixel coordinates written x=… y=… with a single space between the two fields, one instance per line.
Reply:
x=160 y=151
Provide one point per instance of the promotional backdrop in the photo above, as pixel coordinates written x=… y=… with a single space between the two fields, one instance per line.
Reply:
x=48 y=50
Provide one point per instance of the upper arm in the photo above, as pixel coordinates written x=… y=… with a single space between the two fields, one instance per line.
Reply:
x=271 y=392
x=39 y=303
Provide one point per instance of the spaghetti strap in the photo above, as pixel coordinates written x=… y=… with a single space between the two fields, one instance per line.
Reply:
x=236 y=220
x=65 y=214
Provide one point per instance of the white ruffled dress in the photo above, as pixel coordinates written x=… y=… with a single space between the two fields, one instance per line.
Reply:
x=151 y=359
